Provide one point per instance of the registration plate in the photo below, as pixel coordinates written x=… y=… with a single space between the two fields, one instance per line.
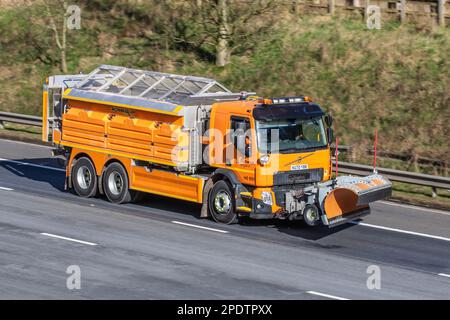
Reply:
x=299 y=167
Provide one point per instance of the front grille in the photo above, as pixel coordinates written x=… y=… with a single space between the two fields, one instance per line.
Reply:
x=298 y=177
x=280 y=193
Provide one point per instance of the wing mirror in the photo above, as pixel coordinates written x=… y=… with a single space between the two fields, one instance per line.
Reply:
x=328 y=120
x=330 y=135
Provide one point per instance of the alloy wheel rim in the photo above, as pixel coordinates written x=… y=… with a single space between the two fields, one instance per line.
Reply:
x=115 y=183
x=311 y=214
x=222 y=202
x=84 y=177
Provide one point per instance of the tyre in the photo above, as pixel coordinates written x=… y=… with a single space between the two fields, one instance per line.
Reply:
x=84 y=178
x=311 y=215
x=137 y=196
x=116 y=184
x=221 y=203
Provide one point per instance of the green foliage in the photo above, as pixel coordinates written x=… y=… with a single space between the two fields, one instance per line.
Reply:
x=397 y=78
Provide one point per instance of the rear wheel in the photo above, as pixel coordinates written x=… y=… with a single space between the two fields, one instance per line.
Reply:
x=221 y=206
x=116 y=184
x=84 y=178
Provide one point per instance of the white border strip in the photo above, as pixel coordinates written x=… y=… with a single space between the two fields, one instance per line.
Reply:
x=400 y=230
x=26 y=143
x=326 y=295
x=444 y=275
x=32 y=165
x=6 y=189
x=395 y=204
x=68 y=239
x=200 y=227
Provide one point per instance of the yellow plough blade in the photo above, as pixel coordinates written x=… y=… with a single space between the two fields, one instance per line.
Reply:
x=349 y=197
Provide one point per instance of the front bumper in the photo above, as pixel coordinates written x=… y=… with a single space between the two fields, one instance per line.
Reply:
x=339 y=201
x=261 y=210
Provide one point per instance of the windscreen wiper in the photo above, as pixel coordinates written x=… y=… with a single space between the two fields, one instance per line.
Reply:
x=301 y=149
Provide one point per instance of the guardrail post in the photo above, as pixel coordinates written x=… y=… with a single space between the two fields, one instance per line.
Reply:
x=2 y=126
x=433 y=192
x=441 y=12
x=402 y=11
x=331 y=7
x=366 y=5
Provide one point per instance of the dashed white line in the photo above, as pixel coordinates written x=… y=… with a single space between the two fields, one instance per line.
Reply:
x=414 y=207
x=199 y=227
x=6 y=189
x=15 y=170
x=400 y=230
x=444 y=275
x=32 y=165
x=326 y=295
x=68 y=239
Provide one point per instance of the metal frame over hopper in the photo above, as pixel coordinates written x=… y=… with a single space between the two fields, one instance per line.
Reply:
x=153 y=91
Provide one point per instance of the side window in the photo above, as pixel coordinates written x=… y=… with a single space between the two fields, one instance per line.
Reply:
x=240 y=134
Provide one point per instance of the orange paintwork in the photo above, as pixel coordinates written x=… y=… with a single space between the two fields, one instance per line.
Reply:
x=156 y=137
x=254 y=173
x=111 y=133
x=156 y=181
x=219 y=142
x=56 y=135
x=340 y=202
x=44 y=115
x=106 y=133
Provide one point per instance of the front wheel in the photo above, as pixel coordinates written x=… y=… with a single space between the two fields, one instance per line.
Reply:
x=221 y=203
x=311 y=215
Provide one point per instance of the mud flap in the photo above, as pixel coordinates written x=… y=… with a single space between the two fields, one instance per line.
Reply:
x=349 y=197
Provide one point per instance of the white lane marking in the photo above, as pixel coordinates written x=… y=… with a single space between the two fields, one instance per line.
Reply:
x=326 y=295
x=400 y=230
x=414 y=207
x=27 y=143
x=444 y=275
x=6 y=189
x=69 y=239
x=15 y=170
x=32 y=165
x=200 y=227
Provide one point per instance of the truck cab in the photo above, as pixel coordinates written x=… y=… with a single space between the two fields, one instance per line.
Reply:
x=273 y=147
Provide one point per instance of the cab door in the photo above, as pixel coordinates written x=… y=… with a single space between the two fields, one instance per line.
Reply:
x=239 y=148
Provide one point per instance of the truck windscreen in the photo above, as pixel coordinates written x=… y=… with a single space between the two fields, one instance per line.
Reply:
x=290 y=135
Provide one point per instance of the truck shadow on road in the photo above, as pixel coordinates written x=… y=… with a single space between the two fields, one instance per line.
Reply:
x=38 y=173
x=294 y=229
x=297 y=229
x=55 y=178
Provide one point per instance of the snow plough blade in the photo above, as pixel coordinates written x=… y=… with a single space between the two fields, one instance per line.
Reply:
x=349 y=197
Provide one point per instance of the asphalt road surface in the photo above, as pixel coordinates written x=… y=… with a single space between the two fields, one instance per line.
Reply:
x=161 y=249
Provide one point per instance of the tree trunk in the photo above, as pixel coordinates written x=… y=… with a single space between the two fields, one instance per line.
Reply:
x=63 y=60
x=223 y=54
x=222 y=47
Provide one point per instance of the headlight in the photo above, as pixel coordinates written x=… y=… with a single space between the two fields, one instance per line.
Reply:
x=264 y=159
x=266 y=197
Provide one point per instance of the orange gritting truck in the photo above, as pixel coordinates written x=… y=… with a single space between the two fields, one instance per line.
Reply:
x=127 y=132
